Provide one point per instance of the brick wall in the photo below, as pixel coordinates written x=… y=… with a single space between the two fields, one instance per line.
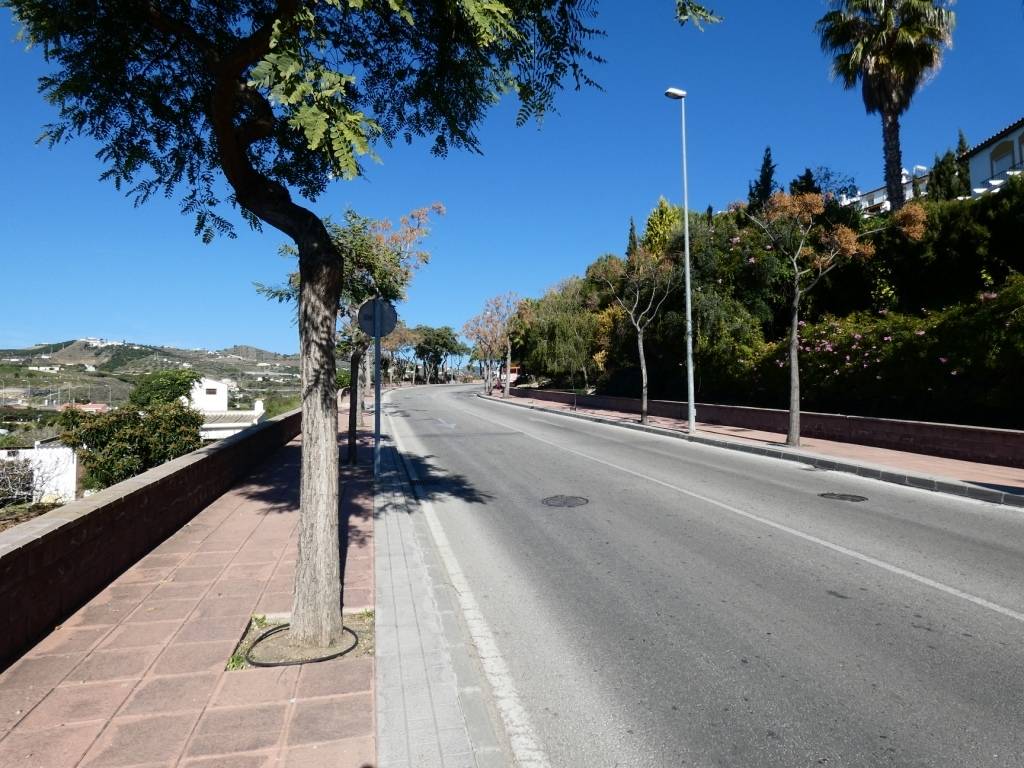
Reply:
x=953 y=441
x=52 y=565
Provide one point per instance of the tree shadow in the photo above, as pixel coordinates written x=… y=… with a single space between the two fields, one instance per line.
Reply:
x=432 y=483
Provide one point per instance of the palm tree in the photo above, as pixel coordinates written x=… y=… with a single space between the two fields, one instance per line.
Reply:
x=890 y=47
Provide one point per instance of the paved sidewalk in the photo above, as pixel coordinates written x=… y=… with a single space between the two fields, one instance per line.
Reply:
x=432 y=702
x=1006 y=479
x=137 y=676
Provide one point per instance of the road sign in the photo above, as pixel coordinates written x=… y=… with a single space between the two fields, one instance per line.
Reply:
x=388 y=316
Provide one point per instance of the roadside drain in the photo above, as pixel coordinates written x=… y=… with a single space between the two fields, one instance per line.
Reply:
x=843 y=496
x=564 y=501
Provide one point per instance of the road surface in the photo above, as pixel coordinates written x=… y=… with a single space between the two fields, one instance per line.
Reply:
x=710 y=608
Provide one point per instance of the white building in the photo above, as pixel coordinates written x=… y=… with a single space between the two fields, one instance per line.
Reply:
x=997 y=158
x=54 y=470
x=210 y=397
x=877 y=200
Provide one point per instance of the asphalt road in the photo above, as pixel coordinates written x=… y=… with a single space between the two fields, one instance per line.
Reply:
x=709 y=608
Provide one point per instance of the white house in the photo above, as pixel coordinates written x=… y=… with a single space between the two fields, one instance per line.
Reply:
x=996 y=158
x=210 y=397
x=54 y=470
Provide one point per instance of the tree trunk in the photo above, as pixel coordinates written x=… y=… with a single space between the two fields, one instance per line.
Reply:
x=354 y=398
x=643 y=376
x=793 y=435
x=893 y=160
x=508 y=366
x=316 y=612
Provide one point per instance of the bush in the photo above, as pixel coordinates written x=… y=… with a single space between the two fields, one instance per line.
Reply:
x=122 y=443
x=960 y=365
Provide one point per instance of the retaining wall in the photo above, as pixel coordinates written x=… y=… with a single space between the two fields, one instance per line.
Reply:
x=1004 y=447
x=53 y=564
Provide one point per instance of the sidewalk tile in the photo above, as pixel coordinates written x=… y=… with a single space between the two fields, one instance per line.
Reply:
x=325 y=719
x=238 y=729
x=114 y=665
x=53 y=748
x=182 y=658
x=133 y=740
x=256 y=686
x=77 y=703
x=336 y=677
x=177 y=693
x=347 y=753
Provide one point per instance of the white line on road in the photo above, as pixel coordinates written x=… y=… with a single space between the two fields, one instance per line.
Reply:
x=979 y=601
x=526 y=748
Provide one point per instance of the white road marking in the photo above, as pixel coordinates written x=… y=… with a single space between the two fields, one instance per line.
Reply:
x=979 y=601
x=526 y=748
x=444 y=423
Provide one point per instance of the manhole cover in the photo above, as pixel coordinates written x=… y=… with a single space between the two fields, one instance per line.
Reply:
x=843 y=496
x=564 y=501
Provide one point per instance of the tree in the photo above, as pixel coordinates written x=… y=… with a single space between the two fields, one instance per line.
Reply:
x=661 y=223
x=632 y=243
x=434 y=347
x=500 y=315
x=488 y=348
x=162 y=387
x=950 y=176
x=889 y=47
x=562 y=330
x=804 y=184
x=764 y=186
x=277 y=97
x=17 y=481
x=640 y=284
x=124 y=442
x=794 y=226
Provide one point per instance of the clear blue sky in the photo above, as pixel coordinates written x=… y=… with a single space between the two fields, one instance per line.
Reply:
x=538 y=205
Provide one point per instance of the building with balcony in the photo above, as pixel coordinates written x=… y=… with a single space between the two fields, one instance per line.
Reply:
x=996 y=159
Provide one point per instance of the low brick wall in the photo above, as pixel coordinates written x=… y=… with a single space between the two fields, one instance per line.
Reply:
x=1004 y=447
x=52 y=565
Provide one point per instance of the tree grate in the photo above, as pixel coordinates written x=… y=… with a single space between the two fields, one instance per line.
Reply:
x=564 y=501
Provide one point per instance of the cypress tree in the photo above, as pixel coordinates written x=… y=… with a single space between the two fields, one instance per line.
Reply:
x=759 y=191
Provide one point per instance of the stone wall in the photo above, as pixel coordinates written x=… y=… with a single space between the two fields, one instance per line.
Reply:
x=52 y=565
x=1004 y=447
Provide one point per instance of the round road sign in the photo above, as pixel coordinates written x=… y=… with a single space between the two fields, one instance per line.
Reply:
x=388 y=316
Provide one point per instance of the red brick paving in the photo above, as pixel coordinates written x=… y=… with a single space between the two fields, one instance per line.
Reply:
x=136 y=677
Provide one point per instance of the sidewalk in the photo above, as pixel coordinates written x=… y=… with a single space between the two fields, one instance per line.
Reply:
x=994 y=483
x=137 y=676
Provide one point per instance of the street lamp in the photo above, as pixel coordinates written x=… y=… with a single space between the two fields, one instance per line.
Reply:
x=691 y=409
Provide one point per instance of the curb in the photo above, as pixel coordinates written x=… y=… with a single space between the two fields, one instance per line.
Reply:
x=924 y=482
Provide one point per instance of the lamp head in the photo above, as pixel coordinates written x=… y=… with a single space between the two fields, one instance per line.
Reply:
x=675 y=93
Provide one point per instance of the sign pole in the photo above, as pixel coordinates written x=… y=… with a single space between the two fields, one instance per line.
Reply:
x=376 y=387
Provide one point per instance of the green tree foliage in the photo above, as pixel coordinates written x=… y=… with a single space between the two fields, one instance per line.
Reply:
x=124 y=442
x=950 y=175
x=760 y=190
x=632 y=242
x=888 y=47
x=162 y=387
x=435 y=346
x=560 y=332
x=662 y=222
x=805 y=184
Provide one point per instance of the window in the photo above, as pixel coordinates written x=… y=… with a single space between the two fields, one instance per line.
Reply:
x=1002 y=157
x=211 y=391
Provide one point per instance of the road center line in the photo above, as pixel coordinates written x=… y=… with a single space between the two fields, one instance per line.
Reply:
x=979 y=601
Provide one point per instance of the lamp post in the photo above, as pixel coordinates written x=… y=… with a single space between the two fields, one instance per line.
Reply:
x=691 y=409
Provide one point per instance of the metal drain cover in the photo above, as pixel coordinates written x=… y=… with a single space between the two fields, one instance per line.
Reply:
x=564 y=501
x=843 y=496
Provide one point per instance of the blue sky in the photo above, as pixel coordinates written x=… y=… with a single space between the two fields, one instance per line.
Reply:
x=78 y=260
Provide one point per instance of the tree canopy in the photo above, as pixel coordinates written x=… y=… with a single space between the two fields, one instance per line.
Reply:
x=162 y=387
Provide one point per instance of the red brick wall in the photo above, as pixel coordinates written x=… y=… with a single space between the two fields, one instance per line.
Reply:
x=990 y=446
x=54 y=564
